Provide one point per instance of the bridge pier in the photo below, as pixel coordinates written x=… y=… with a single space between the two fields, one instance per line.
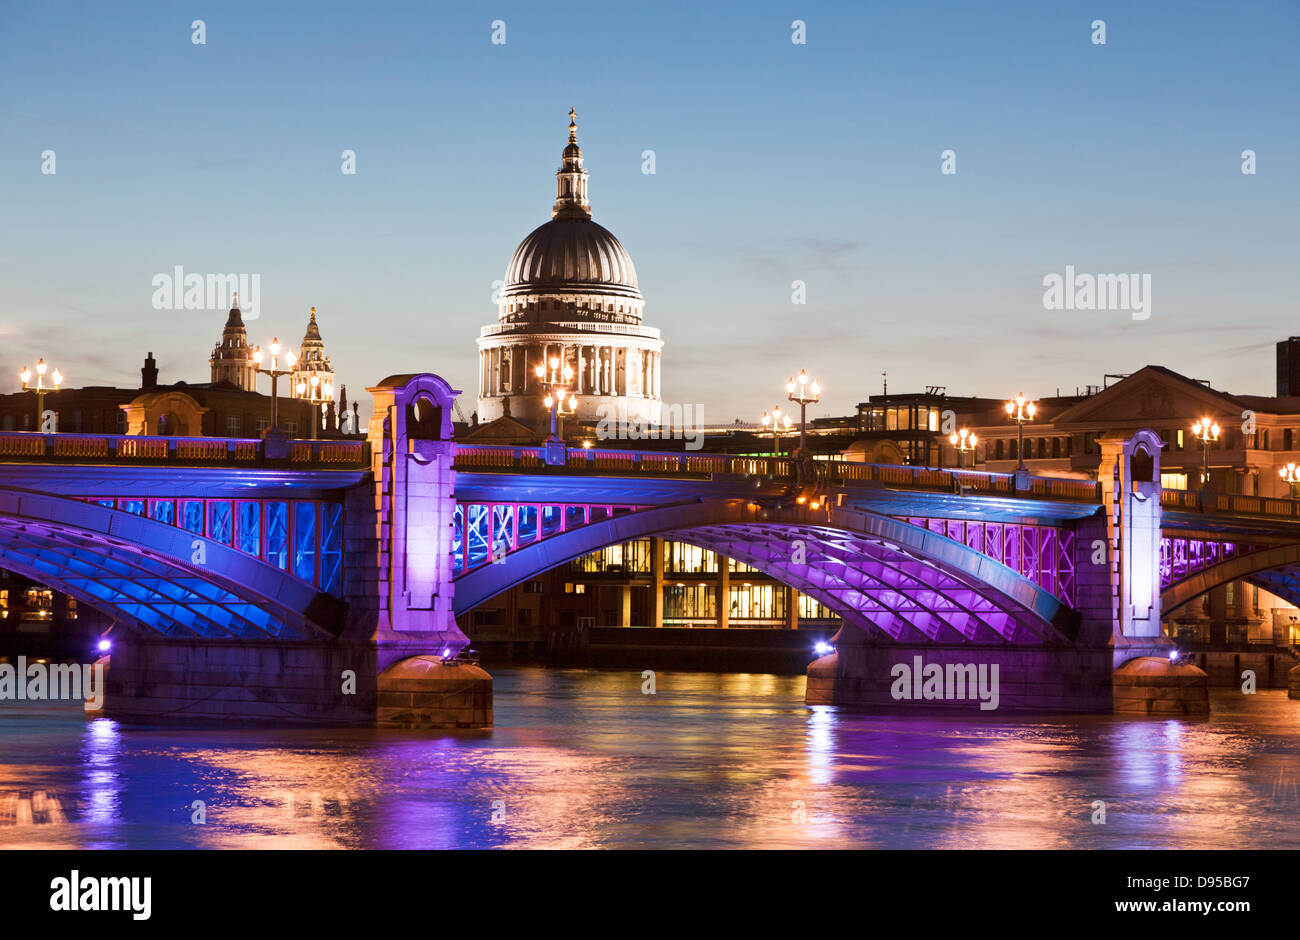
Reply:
x=959 y=677
x=1148 y=678
x=1119 y=658
x=393 y=662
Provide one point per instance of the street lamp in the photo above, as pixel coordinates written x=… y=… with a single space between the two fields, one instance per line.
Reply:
x=965 y=441
x=318 y=393
x=805 y=391
x=779 y=423
x=1290 y=475
x=1020 y=409
x=40 y=388
x=275 y=371
x=1206 y=431
x=557 y=394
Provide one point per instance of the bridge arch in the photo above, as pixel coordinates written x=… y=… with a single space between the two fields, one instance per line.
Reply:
x=883 y=575
x=150 y=576
x=1276 y=569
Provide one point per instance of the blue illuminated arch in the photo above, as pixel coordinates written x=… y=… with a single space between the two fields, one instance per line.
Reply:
x=154 y=576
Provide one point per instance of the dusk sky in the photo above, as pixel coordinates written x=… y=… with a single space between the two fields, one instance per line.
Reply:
x=774 y=162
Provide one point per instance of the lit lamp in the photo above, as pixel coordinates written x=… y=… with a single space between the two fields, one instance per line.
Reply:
x=274 y=370
x=558 y=398
x=318 y=393
x=1290 y=475
x=805 y=391
x=40 y=388
x=1020 y=409
x=1206 y=431
x=965 y=441
x=775 y=419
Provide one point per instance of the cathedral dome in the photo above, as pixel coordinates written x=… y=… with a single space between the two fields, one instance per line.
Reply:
x=571 y=255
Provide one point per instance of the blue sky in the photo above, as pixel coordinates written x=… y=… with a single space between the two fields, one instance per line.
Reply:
x=775 y=162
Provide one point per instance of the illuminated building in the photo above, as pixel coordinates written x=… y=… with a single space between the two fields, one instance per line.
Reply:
x=570 y=294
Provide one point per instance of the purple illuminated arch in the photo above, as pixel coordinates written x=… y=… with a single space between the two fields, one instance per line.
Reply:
x=883 y=575
x=1271 y=568
x=144 y=574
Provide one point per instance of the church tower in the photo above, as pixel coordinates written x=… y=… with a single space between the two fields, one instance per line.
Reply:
x=312 y=359
x=230 y=360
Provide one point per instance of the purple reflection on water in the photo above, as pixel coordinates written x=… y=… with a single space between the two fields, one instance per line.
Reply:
x=582 y=758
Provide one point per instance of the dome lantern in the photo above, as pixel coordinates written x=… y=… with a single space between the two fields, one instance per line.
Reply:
x=571 y=179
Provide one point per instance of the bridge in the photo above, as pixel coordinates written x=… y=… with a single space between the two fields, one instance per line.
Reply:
x=321 y=581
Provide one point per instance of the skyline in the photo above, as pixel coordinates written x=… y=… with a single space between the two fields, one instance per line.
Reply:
x=774 y=162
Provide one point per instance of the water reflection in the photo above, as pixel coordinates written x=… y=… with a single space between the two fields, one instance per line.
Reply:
x=584 y=759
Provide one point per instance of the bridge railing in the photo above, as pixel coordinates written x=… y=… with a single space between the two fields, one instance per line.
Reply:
x=595 y=460
x=25 y=446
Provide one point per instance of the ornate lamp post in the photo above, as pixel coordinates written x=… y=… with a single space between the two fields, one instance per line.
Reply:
x=557 y=394
x=1020 y=409
x=1206 y=431
x=1290 y=475
x=40 y=388
x=318 y=393
x=274 y=370
x=965 y=441
x=805 y=391
x=775 y=419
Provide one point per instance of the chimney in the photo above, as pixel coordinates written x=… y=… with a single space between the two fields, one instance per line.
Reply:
x=149 y=374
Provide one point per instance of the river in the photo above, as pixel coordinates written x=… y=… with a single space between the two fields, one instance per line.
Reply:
x=584 y=759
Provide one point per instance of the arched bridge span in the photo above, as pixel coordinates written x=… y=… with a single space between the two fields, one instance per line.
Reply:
x=157 y=577
x=883 y=575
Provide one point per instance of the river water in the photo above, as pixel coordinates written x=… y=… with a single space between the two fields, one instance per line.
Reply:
x=583 y=758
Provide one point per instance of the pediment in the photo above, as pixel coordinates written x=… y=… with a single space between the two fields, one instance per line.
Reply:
x=1151 y=395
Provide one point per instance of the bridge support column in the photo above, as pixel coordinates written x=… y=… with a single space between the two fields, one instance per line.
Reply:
x=406 y=564
x=1148 y=679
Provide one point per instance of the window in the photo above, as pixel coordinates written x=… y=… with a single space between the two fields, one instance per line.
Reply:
x=628 y=558
x=120 y=422
x=680 y=558
x=72 y=608
x=232 y=425
x=812 y=609
x=689 y=602
x=756 y=601
x=572 y=588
